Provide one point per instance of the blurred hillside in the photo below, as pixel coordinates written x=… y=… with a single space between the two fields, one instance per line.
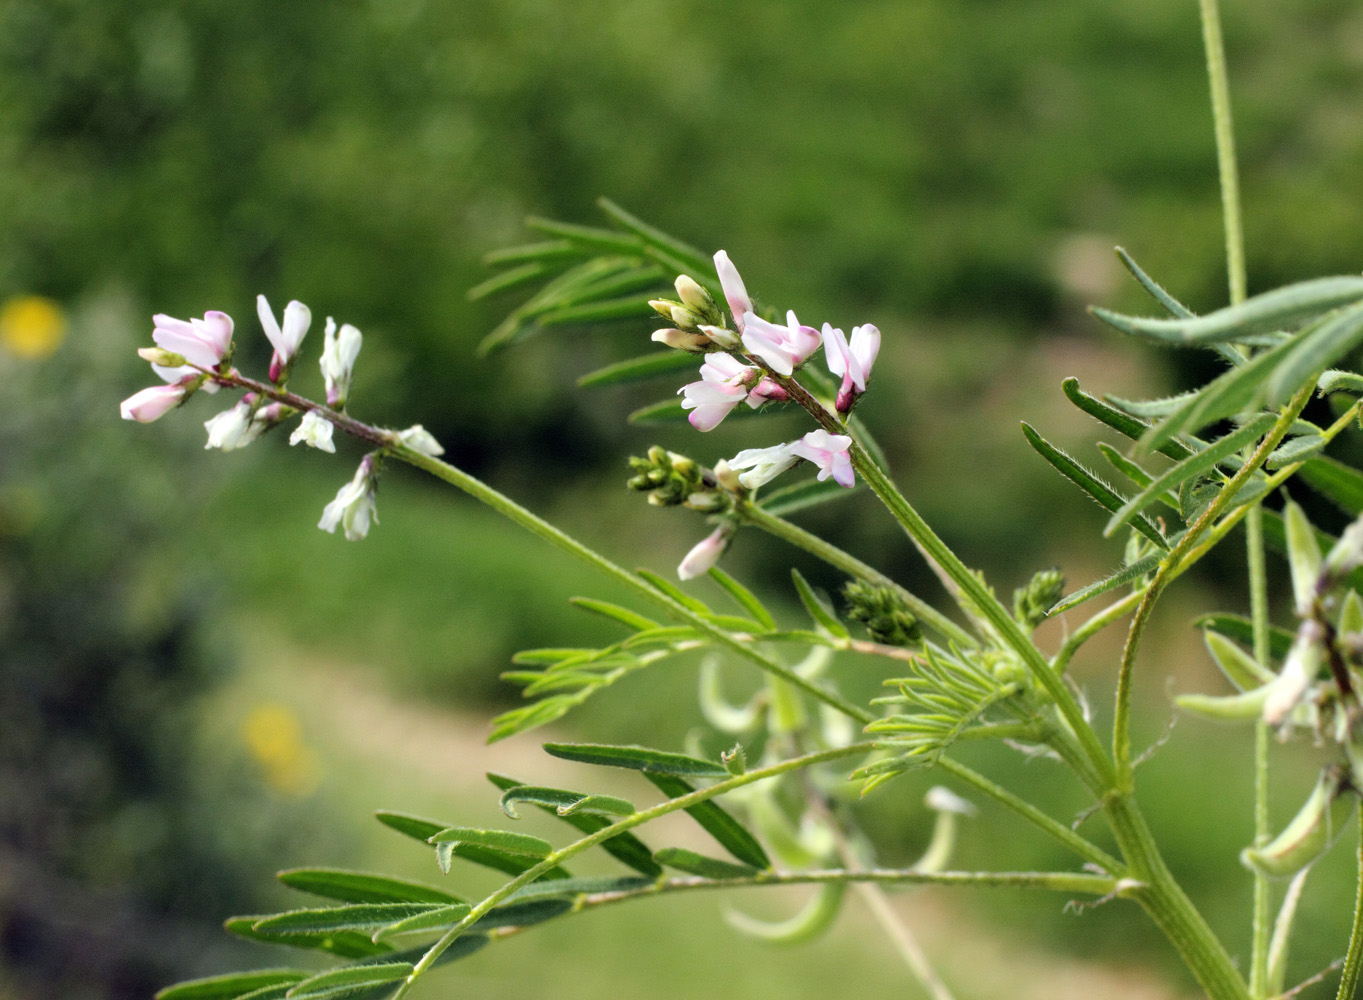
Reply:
x=955 y=172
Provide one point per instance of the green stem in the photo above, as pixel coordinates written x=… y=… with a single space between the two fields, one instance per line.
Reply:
x=1092 y=627
x=1261 y=934
x=1097 y=773
x=1054 y=829
x=1121 y=735
x=1225 y=149
x=1353 y=960
x=849 y=564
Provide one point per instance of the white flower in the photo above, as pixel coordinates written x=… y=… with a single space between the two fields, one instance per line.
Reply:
x=765 y=464
x=315 y=431
x=353 y=507
x=734 y=291
x=285 y=340
x=233 y=428
x=419 y=439
x=783 y=348
x=705 y=554
x=338 y=361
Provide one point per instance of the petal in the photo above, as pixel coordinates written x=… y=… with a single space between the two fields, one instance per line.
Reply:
x=734 y=291
x=151 y=404
x=269 y=324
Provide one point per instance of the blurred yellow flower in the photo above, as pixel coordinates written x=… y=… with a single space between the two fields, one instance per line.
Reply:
x=31 y=326
x=274 y=738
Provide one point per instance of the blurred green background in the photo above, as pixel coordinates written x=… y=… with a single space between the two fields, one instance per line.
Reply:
x=198 y=687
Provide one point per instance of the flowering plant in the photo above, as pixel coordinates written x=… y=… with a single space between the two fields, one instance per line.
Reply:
x=777 y=802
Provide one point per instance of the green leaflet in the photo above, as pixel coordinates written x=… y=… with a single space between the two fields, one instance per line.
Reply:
x=637 y=758
x=1340 y=381
x=634 y=369
x=423 y=829
x=1156 y=290
x=1314 y=351
x=342 y=943
x=1241 y=630
x=1341 y=484
x=624 y=847
x=1205 y=461
x=822 y=615
x=338 y=982
x=692 y=863
x=1127 y=574
x=1121 y=422
x=563 y=802
x=1108 y=498
x=744 y=598
x=726 y=830
x=1247 y=322
x=503 y=841
x=354 y=917
x=361 y=887
x=231 y=985
x=1135 y=473
x=628 y=618
x=606 y=310
x=440 y=916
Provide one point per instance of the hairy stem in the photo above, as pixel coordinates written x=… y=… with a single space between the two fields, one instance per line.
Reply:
x=1353 y=960
x=1224 y=128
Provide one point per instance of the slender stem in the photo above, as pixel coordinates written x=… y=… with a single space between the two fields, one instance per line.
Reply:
x=1057 y=831
x=555 y=858
x=1121 y=736
x=1353 y=959
x=1225 y=149
x=910 y=951
x=837 y=558
x=1092 y=627
x=1261 y=934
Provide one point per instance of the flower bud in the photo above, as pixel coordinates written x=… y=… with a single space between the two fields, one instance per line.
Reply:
x=883 y=612
x=1043 y=591
x=160 y=356
x=705 y=554
x=693 y=294
x=682 y=340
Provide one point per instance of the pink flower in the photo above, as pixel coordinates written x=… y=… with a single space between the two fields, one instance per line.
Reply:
x=705 y=554
x=726 y=382
x=852 y=361
x=734 y=291
x=829 y=452
x=203 y=342
x=152 y=404
x=285 y=340
x=783 y=348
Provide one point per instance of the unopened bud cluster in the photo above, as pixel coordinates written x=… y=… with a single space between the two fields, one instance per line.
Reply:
x=697 y=321
x=1032 y=602
x=883 y=612
x=671 y=479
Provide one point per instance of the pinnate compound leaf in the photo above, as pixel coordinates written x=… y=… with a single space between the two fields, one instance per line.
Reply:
x=637 y=758
x=353 y=978
x=1248 y=321
x=718 y=823
x=424 y=829
x=232 y=985
x=688 y=258
x=1107 y=498
x=684 y=860
x=362 y=887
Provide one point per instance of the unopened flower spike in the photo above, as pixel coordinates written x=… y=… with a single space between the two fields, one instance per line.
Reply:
x=284 y=339
x=354 y=508
x=705 y=554
x=339 y=351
